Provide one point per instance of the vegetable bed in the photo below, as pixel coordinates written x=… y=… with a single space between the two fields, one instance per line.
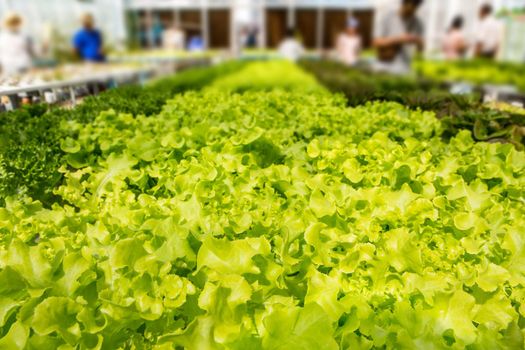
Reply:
x=457 y=112
x=476 y=72
x=269 y=219
x=30 y=153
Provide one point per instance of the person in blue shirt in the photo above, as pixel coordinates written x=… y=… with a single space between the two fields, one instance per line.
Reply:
x=196 y=43
x=88 y=41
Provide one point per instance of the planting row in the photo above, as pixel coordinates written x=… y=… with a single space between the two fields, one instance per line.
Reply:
x=266 y=219
x=493 y=123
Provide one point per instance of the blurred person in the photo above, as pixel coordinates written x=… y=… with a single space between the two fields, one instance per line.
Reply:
x=290 y=48
x=243 y=37
x=397 y=37
x=489 y=34
x=196 y=44
x=47 y=38
x=454 y=43
x=144 y=30
x=142 y=35
x=16 y=52
x=88 y=41
x=157 y=30
x=348 y=46
x=251 y=37
x=248 y=37
x=174 y=38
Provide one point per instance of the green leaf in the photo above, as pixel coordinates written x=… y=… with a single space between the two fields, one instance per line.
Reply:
x=232 y=257
x=56 y=314
x=465 y=221
x=492 y=278
x=321 y=205
x=352 y=171
x=69 y=145
x=313 y=149
x=16 y=338
x=497 y=313
x=457 y=315
x=126 y=253
x=7 y=308
x=297 y=328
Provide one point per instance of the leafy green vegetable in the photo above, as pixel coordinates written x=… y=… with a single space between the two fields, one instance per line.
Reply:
x=269 y=220
x=476 y=72
x=458 y=112
x=268 y=76
x=34 y=139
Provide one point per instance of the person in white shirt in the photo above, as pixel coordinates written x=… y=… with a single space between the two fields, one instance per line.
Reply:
x=454 y=43
x=348 y=45
x=290 y=48
x=15 y=47
x=398 y=35
x=174 y=38
x=489 y=34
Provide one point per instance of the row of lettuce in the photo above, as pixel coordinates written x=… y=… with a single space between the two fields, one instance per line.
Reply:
x=496 y=122
x=228 y=218
x=476 y=72
x=30 y=152
x=30 y=146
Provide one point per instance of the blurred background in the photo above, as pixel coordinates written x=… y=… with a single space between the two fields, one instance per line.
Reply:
x=223 y=24
x=106 y=43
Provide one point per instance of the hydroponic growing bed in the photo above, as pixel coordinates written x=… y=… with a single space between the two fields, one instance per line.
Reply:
x=260 y=212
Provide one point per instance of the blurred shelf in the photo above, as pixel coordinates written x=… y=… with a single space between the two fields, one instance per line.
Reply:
x=262 y=54
x=122 y=76
x=160 y=55
x=67 y=84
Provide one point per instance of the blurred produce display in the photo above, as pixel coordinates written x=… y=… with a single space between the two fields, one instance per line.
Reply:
x=457 y=112
x=240 y=216
x=69 y=72
x=477 y=72
x=160 y=54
